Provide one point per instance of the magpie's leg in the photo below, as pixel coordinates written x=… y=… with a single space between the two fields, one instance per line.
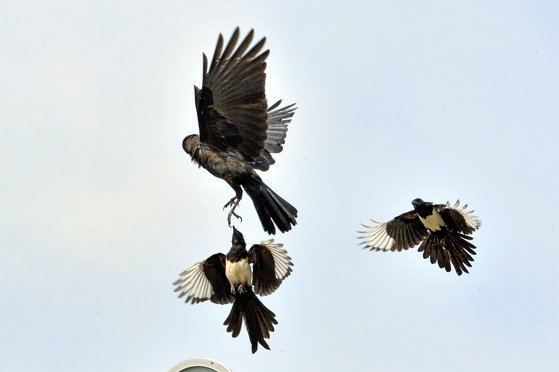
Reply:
x=240 y=289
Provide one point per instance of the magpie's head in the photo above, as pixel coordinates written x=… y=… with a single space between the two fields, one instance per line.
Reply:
x=417 y=202
x=422 y=208
x=190 y=143
x=237 y=238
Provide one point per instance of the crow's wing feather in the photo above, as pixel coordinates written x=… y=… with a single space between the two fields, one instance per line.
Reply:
x=231 y=104
x=278 y=119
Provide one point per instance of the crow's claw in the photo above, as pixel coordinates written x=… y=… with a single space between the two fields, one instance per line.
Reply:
x=233 y=204
x=232 y=213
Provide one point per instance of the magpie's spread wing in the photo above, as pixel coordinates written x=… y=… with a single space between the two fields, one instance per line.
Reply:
x=231 y=104
x=271 y=265
x=278 y=118
x=449 y=248
x=402 y=232
x=205 y=280
x=458 y=218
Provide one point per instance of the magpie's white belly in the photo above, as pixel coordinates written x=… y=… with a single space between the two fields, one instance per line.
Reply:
x=434 y=222
x=238 y=272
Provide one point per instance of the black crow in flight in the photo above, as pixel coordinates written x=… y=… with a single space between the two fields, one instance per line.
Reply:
x=441 y=229
x=225 y=279
x=239 y=131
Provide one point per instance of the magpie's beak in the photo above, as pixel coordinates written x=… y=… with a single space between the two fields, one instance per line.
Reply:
x=237 y=237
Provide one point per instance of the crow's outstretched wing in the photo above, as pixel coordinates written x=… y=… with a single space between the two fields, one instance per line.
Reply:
x=278 y=118
x=402 y=232
x=231 y=105
x=205 y=280
x=271 y=265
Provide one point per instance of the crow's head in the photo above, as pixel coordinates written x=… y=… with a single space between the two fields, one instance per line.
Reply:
x=191 y=143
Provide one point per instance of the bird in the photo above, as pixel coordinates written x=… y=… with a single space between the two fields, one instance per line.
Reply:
x=225 y=279
x=238 y=131
x=442 y=230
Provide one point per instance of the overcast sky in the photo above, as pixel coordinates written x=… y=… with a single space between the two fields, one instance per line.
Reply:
x=102 y=209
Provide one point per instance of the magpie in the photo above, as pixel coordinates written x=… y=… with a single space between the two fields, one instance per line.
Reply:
x=442 y=230
x=225 y=279
x=239 y=131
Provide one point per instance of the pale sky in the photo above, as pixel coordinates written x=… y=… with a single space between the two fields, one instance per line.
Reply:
x=102 y=209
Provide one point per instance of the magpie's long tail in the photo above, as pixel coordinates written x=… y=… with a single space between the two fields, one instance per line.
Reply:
x=448 y=248
x=259 y=320
x=271 y=208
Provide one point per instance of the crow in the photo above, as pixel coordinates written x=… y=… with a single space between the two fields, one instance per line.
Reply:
x=225 y=279
x=239 y=131
x=441 y=229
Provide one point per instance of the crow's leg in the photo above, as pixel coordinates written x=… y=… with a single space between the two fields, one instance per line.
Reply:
x=233 y=203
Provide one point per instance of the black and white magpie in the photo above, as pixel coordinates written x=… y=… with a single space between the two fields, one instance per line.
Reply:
x=442 y=230
x=225 y=279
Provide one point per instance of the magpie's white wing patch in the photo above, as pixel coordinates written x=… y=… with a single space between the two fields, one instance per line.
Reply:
x=282 y=262
x=472 y=221
x=376 y=238
x=193 y=284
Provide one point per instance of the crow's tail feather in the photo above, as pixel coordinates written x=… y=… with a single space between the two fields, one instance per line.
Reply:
x=271 y=208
